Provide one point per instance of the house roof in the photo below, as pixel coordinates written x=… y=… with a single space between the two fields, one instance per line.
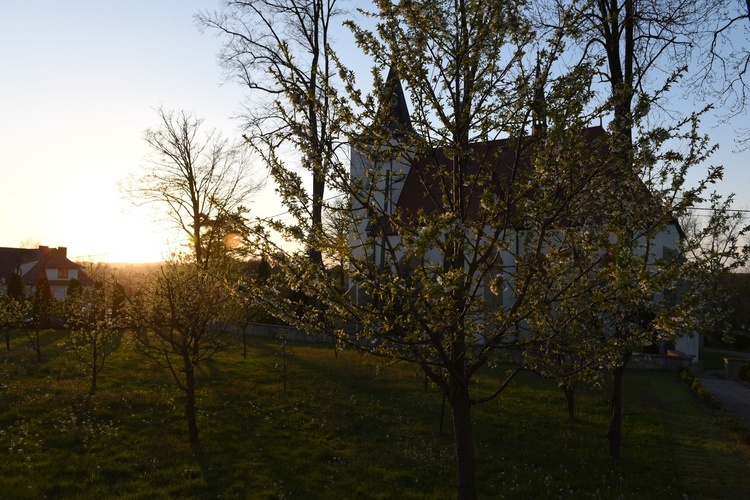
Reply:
x=12 y=258
x=43 y=257
x=492 y=166
x=422 y=188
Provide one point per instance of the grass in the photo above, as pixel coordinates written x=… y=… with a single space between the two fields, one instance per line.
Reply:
x=347 y=426
x=713 y=359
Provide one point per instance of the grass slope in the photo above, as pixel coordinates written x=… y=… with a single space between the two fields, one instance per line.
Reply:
x=347 y=426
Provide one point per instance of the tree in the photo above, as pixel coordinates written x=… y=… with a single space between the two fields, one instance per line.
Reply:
x=13 y=313
x=281 y=51
x=92 y=328
x=180 y=315
x=15 y=287
x=520 y=203
x=75 y=289
x=634 y=47
x=41 y=317
x=14 y=308
x=469 y=86
x=723 y=62
x=201 y=179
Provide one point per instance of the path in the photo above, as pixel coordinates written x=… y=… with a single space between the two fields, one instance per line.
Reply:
x=733 y=396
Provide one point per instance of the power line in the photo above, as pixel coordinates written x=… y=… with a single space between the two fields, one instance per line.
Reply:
x=736 y=210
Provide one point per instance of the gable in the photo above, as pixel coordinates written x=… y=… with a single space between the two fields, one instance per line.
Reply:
x=493 y=166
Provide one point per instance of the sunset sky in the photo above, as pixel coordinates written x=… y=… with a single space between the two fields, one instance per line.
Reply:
x=79 y=81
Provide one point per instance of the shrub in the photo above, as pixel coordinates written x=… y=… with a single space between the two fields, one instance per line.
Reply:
x=696 y=385
x=745 y=371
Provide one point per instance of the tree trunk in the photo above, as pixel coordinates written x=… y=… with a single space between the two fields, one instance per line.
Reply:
x=93 y=371
x=570 y=400
x=190 y=404
x=35 y=343
x=244 y=340
x=464 y=441
x=614 y=435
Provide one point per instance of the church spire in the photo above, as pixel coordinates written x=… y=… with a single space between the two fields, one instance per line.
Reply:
x=400 y=121
x=539 y=104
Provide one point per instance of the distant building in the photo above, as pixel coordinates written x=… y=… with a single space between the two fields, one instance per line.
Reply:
x=29 y=263
x=408 y=185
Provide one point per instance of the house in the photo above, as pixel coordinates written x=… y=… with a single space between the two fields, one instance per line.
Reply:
x=395 y=188
x=29 y=263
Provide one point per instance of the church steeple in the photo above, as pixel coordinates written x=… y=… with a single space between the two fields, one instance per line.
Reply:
x=400 y=121
x=539 y=103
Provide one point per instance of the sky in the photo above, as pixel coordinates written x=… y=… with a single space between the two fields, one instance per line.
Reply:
x=79 y=84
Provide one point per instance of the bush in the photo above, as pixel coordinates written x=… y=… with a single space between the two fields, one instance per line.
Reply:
x=696 y=385
x=745 y=371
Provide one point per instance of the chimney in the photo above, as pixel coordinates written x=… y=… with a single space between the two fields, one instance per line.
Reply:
x=43 y=251
x=63 y=251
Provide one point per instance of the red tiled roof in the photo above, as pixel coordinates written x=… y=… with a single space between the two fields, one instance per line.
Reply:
x=45 y=257
x=423 y=190
x=11 y=258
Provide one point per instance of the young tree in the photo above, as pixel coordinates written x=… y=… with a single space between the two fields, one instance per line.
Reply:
x=15 y=287
x=13 y=313
x=181 y=315
x=14 y=308
x=92 y=329
x=420 y=293
x=199 y=178
x=41 y=313
x=75 y=289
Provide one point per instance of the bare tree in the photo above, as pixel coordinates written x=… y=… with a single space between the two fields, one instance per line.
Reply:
x=199 y=178
x=723 y=63
x=281 y=51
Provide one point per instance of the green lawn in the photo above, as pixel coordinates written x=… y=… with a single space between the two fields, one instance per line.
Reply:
x=347 y=426
x=713 y=359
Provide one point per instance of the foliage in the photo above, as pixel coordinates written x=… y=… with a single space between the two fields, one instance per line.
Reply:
x=42 y=308
x=181 y=317
x=75 y=289
x=738 y=286
x=699 y=389
x=13 y=313
x=92 y=328
x=43 y=303
x=15 y=287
